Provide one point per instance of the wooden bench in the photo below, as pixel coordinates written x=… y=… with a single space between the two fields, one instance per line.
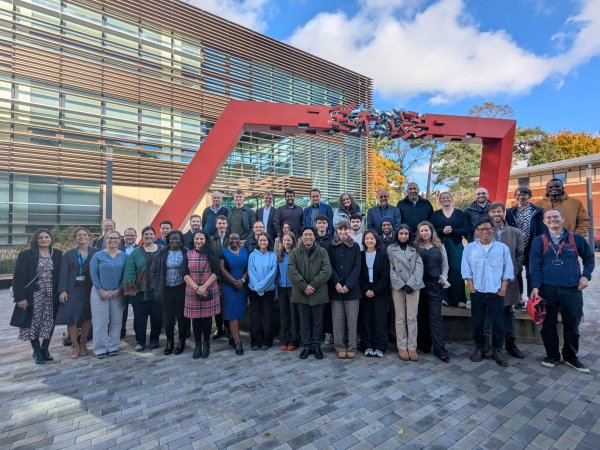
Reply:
x=5 y=280
x=458 y=327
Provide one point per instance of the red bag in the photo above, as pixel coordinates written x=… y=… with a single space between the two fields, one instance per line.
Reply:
x=536 y=308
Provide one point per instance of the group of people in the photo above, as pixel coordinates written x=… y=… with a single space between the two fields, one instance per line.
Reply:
x=336 y=282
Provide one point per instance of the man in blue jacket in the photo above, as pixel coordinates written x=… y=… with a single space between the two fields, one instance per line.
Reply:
x=384 y=210
x=556 y=276
x=316 y=208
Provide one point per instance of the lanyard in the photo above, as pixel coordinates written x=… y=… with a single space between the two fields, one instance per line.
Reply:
x=80 y=261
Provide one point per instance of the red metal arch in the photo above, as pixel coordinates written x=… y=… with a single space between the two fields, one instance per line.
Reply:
x=496 y=136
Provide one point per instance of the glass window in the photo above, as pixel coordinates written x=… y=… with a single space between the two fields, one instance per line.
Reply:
x=524 y=181
x=562 y=176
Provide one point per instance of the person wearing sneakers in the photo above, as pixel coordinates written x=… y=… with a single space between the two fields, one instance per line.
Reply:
x=488 y=269
x=556 y=276
x=406 y=274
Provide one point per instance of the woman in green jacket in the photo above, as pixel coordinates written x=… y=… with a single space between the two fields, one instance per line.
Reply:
x=137 y=285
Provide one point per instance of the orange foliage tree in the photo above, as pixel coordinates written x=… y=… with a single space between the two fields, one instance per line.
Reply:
x=387 y=174
x=566 y=144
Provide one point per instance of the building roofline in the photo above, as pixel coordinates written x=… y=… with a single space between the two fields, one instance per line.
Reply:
x=564 y=164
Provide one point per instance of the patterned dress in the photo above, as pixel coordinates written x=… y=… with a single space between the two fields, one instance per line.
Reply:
x=42 y=321
x=200 y=271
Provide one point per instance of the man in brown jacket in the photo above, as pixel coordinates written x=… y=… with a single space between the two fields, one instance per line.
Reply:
x=574 y=213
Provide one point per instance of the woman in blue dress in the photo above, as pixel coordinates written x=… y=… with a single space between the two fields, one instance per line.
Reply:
x=234 y=270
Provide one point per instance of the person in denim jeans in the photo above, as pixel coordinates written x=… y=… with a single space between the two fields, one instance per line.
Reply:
x=487 y=267
x=557 y=277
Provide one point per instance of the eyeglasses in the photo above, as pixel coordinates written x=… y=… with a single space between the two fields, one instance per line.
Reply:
x=484 y=230
x=481 y=193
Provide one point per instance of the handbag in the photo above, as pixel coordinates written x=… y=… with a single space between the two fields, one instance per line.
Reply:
x=536 y=308
x=204 y=298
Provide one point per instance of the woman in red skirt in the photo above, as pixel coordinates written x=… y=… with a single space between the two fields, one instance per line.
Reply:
x=202 y=296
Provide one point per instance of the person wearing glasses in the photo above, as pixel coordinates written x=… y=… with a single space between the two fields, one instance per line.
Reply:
x=128 y=245
x=488 y=269
x=377 y=213
x=476 y=210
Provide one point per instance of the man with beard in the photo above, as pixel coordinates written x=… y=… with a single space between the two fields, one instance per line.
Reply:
x=414 y=209
x=476 y=210
x=356 y=229
x=290 y=212
x=388 y=236
x=575 y=216
x=195 y=225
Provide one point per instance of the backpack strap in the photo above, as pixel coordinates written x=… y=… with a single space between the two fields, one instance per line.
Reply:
x=546 y=243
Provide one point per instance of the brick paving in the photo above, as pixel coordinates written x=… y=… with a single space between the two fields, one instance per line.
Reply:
x=273 y=400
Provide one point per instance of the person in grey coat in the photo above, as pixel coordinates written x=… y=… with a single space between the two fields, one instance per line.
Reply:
x=513 y=238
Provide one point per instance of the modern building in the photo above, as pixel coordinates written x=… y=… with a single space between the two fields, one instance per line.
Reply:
x=573 y=173
x=143 y=82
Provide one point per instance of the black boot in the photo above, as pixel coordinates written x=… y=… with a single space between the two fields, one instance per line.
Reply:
x=45 y=353
x=197 y=350
x=169 y=347
x=232 y=342
x=318 y=352
x=205 y=349
x=512 y=349
x=180 y=347
x=38 y=357
x=239 y=350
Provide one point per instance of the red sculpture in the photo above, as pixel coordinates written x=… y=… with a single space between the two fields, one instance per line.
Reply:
x=496 y=136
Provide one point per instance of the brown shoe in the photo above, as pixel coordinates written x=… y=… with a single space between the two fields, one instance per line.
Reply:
x=403 y=354
x=291 y=348
x=83 y=349
x=342 y=355
x=413 y=355
x=351 y=355
x=283 y=348
x=74 y=351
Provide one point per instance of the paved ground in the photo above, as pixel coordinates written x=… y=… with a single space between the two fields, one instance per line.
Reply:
x=273 y=400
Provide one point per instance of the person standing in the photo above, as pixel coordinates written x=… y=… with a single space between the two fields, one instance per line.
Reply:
x=266 y=215
x=557 y=277
x=108 y=225
x=406 y=276
x=374 y=286
x=234 y=269
x=106 y=269
x=262 y=270
x=241 y=217
x=323 y=239
x=347 y=208
x=136 y=284
x=451 y=227
x=310 y=270
x=220 y=241
x=35 y=291
x=356 y=229
x=251 y=243
x=195 y=225
x=530 y=220
x=576 y=218
x=129 y=244
x=344 y=290
x=166 y=278
x=316 y=208
x=383 y=210
x=210 y=214
x=477 y=210
x=165 y=228
x=513 y=239
x=290 y=212
x=435 y=277
x=414 y=209
x=487 y=267
x=75 y=287
x=289 y=330
x=202 y=294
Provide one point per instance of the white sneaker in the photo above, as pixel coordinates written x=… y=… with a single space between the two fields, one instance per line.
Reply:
x=462 y=305
x=444 y=303
x=328 y=339
x=378 y=353
x=369 y=352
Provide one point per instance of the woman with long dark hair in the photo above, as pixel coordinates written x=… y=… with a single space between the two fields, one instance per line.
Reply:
x=435 y=277
x=35 y=290
x=75 y=287
x=347 y=206
x=202 y=294
x=406 y=274
x=166 y=277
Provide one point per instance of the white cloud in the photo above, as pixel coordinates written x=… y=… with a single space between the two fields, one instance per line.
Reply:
x=248 y=13
x=441 y=51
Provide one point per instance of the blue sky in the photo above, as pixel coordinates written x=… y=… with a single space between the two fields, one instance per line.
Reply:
x=542 y=57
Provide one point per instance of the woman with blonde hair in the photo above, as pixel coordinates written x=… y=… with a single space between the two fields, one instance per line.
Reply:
x=435 y=278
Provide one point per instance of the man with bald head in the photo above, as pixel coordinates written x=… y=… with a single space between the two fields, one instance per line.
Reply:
x=414 y=209
x=383 y=210
x=478 y=209
x=210 y=213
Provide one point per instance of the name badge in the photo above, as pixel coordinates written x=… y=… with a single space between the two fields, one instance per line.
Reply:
x=80 y=278
x=557 y=262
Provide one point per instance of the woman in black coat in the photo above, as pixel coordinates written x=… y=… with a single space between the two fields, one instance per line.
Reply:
x=374 y=284
x=166 y=276
x=35 y=288
x=75 y=287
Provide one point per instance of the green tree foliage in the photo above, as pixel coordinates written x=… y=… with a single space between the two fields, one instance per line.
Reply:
x=457 y=166
x=564 y=145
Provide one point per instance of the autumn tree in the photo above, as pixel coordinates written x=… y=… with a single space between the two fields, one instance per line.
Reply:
x=566 y=144
x=387 y=172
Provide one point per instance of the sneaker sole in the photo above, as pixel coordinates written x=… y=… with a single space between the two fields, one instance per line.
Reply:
x=549 y=365
x=578 y=369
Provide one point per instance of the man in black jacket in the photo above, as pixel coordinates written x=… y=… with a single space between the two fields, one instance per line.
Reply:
x=414 y=209
x=476 y=210
x=290 y=212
